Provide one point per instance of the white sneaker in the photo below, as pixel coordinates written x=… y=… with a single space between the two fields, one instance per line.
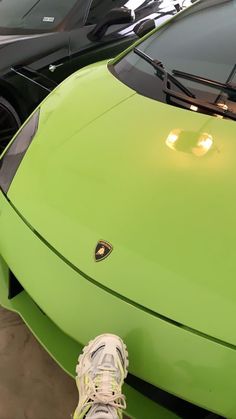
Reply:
x=101 y=371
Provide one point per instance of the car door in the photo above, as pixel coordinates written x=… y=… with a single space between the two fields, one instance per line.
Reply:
x=54 y=63
x=50 y=53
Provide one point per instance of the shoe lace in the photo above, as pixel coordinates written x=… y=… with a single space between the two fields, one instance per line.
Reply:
x=105 y=390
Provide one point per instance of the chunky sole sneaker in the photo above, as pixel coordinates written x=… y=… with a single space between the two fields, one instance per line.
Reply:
x=101 y=370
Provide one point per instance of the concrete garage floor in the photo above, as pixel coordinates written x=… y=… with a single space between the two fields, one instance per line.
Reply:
x=32 y=385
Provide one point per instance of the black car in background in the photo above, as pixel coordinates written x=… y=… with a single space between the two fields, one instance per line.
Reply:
x=44 y=41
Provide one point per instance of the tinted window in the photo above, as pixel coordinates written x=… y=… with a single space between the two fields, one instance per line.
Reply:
x=201 y=41
x=26 y=15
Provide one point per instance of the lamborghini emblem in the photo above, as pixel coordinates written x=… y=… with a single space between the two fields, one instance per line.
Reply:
x=103 y=249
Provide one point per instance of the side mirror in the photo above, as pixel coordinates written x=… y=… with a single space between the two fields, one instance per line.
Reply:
x=143 y=27
x=113 y=17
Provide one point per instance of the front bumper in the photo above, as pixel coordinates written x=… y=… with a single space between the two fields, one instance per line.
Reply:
x=183 y=363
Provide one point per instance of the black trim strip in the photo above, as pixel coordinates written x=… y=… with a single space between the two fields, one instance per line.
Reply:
x=31 y=80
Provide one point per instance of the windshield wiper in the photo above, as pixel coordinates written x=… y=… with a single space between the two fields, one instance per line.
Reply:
x=198 y=103
x=188 y=96
x=212 y=83
x=158 y=66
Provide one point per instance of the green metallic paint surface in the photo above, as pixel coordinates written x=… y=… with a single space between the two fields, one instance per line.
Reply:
x=99 y=168
x=181 y=362
x=65 y=350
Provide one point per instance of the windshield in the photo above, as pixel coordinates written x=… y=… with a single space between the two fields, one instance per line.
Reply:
x=199 y=41
x=23 y=16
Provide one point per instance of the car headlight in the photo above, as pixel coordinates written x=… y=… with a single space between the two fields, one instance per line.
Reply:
x=14 y=154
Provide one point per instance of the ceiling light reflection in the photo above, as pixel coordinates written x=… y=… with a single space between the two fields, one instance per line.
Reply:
x=189 y=142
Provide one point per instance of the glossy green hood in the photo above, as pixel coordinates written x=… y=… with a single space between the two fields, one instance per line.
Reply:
x=103 y=165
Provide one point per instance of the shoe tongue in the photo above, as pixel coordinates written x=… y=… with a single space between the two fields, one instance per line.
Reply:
x=102 y=411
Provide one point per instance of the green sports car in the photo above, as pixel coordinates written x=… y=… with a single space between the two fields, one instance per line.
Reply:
x=117 y=214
